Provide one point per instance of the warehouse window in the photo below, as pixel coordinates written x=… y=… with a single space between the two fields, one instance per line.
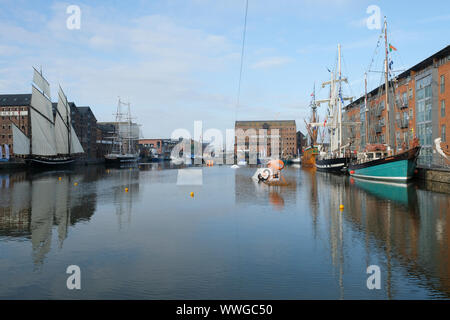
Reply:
x=442 y=108
x=443 y=133
x=442 y=84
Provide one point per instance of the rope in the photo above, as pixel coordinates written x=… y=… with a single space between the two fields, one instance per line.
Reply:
x=242 y=58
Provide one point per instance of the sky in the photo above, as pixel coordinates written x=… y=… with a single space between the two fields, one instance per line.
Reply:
x=178 y=61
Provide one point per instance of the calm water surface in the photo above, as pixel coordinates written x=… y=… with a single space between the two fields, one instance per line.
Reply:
x=233 y=240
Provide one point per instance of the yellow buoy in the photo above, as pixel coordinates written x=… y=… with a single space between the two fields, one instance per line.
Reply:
x=192 y=194
x=59 y=178
x=126 y=189
x=75 y=184
x=341 y=207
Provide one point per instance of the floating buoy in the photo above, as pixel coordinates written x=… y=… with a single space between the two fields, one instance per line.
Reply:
x=352 y=172
x=75 y=184
x=59 y=178
x=126 y=189
x=341 y=207
x=192 y=194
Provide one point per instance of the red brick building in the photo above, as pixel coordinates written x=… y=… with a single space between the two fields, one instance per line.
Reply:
x=420 y=108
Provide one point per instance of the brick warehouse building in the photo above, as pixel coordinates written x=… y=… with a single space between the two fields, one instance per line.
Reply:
x=14 y=108
x=420 y=108
x=287 y=131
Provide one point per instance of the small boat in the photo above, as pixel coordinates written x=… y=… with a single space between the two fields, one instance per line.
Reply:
x=242 y=162
x=308 y=159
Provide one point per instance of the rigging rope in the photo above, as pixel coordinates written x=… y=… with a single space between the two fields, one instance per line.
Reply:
x=242 y=58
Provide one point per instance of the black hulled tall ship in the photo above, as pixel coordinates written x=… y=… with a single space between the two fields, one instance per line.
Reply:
x=338 y=156
x=53 y=140
x=124 y=140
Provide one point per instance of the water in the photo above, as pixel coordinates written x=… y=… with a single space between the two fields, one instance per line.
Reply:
x=233 y=239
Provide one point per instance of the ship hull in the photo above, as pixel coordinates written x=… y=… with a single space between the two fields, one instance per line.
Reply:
x=120 y=159
x=49 y=162
x=308 y=158
x=337 y=165
x=398 y=168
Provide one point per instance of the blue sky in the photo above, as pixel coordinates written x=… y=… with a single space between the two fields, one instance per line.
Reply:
x=178 y=61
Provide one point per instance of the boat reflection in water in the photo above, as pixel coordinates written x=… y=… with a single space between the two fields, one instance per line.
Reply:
x=36 y=204
x=137 y=234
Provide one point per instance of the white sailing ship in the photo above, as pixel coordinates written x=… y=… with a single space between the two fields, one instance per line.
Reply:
x=53 y=139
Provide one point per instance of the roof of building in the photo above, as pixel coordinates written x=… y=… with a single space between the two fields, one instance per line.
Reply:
x=7 y=100
x=269 y=122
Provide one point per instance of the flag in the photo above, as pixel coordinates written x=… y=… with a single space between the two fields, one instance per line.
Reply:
x=325 y=122
x=312 y=94
x=390 y=65
x=391 y=47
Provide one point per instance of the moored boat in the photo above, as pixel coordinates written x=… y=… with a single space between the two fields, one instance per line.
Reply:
x=53 y=139
x=399 y=167
x=308 y=158
x=124 y=140
x=380 y=161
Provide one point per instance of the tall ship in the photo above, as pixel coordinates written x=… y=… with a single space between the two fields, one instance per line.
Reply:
x=53 y=139
x=338 y=156
x=124 y=139
x=381 y=161
x=308 y=158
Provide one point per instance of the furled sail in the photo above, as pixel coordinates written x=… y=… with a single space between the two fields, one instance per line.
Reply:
x=42 y=84
x=75 y=143
x=21 y=143
x=129 y=131
x=61 y=124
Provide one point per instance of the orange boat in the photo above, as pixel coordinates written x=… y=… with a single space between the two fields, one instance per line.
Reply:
x=311 y=152
x=309 y=156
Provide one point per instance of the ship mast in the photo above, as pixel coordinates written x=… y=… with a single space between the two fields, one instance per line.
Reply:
x=340 y=100
x=366 y=109
x=386 y=81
